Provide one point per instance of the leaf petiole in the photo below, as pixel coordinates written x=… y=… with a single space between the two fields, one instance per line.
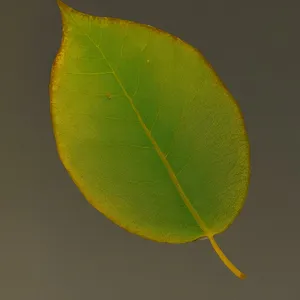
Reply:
x=225 y=260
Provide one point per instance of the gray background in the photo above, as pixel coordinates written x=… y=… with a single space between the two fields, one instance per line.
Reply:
x=54 y=245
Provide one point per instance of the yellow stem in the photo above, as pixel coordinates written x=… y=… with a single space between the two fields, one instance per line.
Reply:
x=225 y=260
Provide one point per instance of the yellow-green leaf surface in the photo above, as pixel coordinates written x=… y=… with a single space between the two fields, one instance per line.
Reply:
x=147 y=131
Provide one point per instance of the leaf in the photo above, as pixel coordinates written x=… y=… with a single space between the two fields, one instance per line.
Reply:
x=147 y=131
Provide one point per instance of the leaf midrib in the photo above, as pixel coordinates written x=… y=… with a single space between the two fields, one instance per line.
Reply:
x=161 y=155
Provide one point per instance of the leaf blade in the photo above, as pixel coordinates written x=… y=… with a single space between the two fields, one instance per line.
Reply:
x=157 y=130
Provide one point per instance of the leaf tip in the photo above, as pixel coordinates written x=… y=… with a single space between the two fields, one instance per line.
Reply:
x=66 y=12
x=61 y=5
x=64 y=8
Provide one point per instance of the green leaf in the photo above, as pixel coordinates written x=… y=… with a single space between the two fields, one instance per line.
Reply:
x=147 y=131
